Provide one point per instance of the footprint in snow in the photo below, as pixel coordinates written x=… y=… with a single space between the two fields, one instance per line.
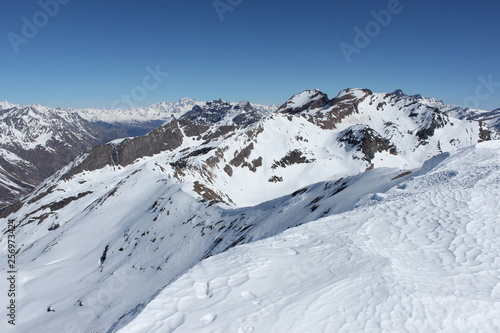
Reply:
x=248 y=295
x=202 y=290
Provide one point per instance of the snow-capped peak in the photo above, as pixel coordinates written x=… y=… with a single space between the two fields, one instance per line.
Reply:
x=353 y=92
x=186 y=100
x=7 y=105
x=400 y=93
x=308 y=99
x=223 y=113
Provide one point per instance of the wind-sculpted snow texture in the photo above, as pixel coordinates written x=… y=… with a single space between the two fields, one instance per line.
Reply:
x=422 y=257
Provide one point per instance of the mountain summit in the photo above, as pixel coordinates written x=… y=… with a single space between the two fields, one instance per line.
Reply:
x=309 y=99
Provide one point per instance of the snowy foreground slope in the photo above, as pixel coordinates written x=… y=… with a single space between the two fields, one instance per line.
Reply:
x=422 y=257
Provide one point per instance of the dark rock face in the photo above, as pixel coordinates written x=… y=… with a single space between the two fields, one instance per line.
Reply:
x=211 y=114
x=438 y=120
x=183 y=162
x=199 y=120
x=206 y=193
x=399 y=93
x=12 y=208
x=485 y=133
x=275 y=179
x=241 y=156
x=164 y=138
x=366 y=140
x=256 y=164
x=342 y=106
x=248 y=116
x=66 y=201
x=317 y=99
x=214 y=112
x=228 y=170
x=293 y=157
x=191 y=128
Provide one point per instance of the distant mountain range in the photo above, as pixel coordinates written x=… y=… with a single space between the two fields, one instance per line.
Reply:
x=127 y=218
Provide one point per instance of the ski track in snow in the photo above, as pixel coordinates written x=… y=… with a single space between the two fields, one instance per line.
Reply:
x=423 y=257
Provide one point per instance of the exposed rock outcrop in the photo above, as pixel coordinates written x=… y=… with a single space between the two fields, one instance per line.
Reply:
x=365 y=139
x=164 y=138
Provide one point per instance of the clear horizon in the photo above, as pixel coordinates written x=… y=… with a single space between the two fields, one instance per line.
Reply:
x=214 y=99
x=75 y=54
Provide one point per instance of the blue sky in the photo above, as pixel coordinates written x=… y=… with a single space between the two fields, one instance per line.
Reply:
x=91 y=53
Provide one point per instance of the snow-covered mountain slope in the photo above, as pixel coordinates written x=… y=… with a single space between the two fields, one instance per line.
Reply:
x=420 y=257
x=490 y=118
x=108 y=250
x=98 y=240
x=37 y=141
x=248 y=160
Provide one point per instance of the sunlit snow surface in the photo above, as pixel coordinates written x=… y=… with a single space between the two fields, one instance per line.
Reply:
x=422 y=257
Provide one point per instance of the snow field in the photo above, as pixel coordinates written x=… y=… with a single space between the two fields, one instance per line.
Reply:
x=422 y=257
